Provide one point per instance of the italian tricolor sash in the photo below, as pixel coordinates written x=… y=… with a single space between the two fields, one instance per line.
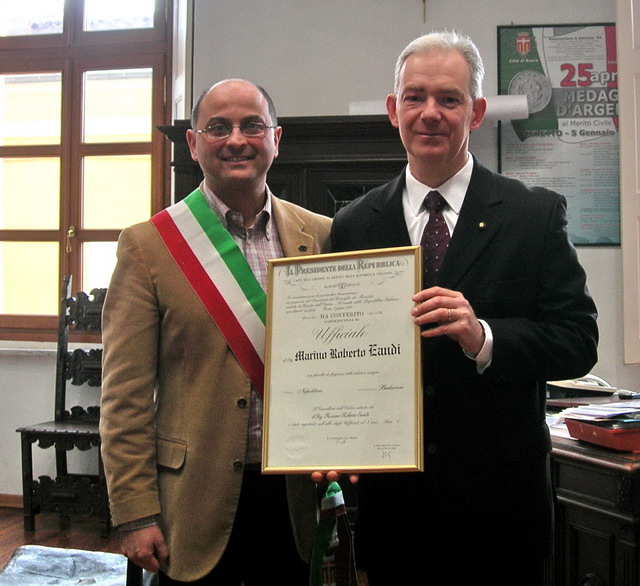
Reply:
x=221 y=277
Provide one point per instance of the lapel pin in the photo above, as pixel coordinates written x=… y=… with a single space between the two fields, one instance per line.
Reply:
x=482 y=225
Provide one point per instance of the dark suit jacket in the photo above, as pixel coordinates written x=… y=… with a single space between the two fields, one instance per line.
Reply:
x=510 y=256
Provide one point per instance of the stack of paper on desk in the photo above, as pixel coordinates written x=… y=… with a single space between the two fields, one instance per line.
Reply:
x=613 y=425
x=627 y=411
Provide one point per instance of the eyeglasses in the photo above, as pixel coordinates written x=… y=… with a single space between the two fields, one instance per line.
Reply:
x=222 y=130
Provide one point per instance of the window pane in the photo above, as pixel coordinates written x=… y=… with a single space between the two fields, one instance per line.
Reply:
x=29 y=194
x=30 y=108
x=118 y=105
x=117 y=191
x=29 y=277
x=118 y=14
x=98 y=262
x=31 y=17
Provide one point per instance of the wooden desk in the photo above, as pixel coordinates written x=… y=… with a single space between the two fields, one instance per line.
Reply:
x=599 y=520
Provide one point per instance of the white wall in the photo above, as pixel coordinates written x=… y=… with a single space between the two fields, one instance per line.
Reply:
x=26 y=387
x=27 y=391
x=316 y=58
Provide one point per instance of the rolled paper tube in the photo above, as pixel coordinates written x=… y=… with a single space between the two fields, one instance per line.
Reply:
x=507 y=108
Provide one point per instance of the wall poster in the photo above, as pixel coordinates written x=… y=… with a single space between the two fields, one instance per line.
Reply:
x=569 y=142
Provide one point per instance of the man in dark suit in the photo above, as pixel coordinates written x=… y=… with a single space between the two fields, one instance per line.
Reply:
x=508 y=310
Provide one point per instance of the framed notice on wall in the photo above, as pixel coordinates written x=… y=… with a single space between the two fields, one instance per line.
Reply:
x=569 y=142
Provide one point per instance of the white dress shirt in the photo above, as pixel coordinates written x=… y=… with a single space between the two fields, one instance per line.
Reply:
x=416 y=216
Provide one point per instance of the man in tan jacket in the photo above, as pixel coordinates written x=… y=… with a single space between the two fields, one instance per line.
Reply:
x=181 y=406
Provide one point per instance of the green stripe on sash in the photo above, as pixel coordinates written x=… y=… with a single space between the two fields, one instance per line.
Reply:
x=229 y=251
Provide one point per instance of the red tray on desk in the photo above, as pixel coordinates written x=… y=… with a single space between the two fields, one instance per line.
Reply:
x=627 y=440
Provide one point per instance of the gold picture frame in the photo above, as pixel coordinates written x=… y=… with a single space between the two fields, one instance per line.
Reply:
x=343 y=386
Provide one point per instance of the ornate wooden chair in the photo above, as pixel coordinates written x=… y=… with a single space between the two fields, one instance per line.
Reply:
x=73 y=427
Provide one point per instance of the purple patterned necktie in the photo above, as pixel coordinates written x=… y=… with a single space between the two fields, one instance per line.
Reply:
x=435 y=238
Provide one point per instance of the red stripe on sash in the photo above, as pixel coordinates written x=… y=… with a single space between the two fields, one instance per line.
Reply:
x=211 y=298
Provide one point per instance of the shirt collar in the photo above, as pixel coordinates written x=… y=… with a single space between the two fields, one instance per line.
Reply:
x=453 y=190
x=232 y=220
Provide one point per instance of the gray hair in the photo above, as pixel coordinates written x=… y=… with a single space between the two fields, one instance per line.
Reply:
x=446 y=41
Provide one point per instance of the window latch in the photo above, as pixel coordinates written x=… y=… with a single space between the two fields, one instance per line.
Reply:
x=71 y=233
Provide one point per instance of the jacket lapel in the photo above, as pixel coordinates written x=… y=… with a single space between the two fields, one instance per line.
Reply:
x=293 y=239
x=479 y=222
x=387 y=227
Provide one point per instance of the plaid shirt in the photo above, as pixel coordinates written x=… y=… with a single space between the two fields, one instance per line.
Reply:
x=258 y=243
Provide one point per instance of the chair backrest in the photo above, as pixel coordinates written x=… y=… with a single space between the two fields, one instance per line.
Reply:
x=79 y=313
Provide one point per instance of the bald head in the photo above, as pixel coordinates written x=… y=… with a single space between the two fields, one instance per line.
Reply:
x=233 y=84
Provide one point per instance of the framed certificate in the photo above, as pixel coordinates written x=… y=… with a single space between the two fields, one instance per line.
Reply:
x=343 y=372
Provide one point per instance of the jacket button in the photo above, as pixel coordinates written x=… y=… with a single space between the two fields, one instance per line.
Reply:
x=242 y=403
x=432 y=449
x=238 y=465
x=429 y=391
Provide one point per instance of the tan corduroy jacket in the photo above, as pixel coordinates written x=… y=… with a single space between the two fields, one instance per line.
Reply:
x=174 y=416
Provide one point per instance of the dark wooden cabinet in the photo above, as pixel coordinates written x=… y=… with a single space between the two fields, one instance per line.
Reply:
x=323 y=162
x=598 y=492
